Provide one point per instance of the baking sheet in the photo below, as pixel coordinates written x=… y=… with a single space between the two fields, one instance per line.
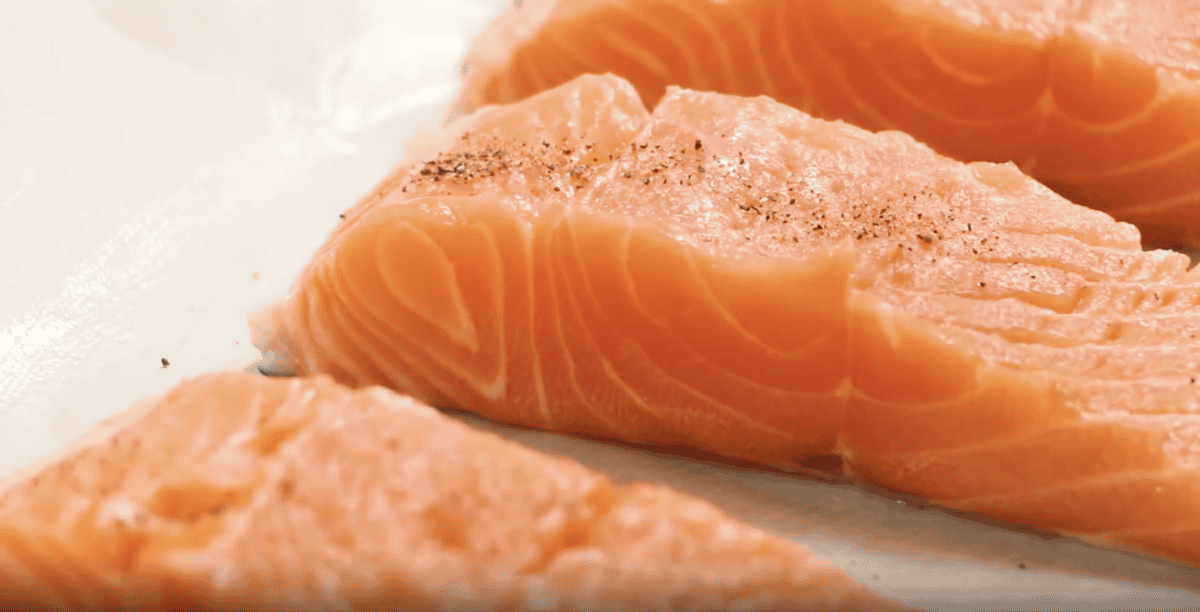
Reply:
x=168 y=166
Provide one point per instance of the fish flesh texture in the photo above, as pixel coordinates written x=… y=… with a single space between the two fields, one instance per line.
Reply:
x=732 y=275
x=235 y=491
x=1100 y=100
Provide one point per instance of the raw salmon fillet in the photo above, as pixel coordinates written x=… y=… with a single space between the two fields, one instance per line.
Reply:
x=234 y=491
x=733 y=275
x=1100 y=100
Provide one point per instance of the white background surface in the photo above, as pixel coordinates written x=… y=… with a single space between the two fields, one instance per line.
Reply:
x=168 y=166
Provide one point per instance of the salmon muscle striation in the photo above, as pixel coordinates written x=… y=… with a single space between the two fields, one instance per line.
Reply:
x=1099 y=100
x=235 y=491
x=733 y=275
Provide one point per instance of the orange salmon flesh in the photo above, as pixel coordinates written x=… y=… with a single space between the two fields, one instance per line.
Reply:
x=732 y=275
x=1099 y=100
x=235 y=491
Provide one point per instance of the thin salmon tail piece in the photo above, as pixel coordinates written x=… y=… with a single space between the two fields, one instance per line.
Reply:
x=1099 y=100
x=234 y=491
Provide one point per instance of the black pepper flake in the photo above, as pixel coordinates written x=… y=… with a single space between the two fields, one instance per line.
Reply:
x=698 y=145
x=165 y=363
x=341 y=215
x=925 y=238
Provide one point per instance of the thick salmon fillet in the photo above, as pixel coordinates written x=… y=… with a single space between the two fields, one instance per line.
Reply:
x=733 y=275
x=234 y=491
x=1099 y=100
